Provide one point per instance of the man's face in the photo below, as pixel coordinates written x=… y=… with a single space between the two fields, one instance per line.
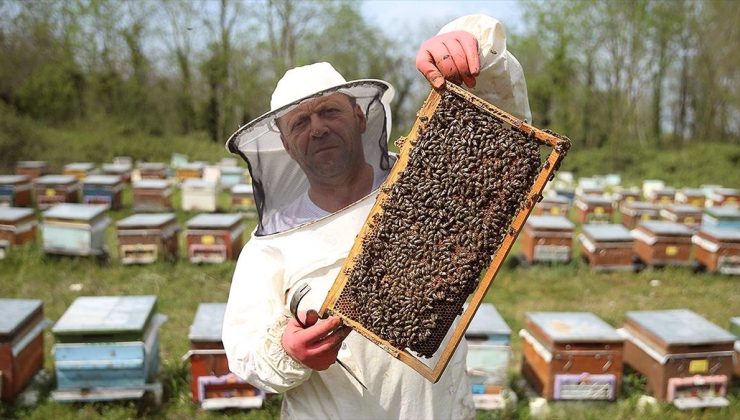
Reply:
x=324 y=135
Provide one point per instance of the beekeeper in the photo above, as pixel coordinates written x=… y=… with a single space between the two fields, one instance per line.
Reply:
x=317 y=160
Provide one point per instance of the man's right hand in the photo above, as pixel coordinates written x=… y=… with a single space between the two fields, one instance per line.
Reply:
x=317 y=345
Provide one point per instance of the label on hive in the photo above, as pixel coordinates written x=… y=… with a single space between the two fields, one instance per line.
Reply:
x=671 y=250
x=207 y=240
x=584 y=387
x=50 y=192
x=551 y=253
x=599 y=210
x=699 y=366
x=555 y=211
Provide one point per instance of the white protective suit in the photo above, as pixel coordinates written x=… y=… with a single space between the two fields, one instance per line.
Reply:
x=270 y=267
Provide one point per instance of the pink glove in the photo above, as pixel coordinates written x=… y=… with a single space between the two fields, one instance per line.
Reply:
x=317 y=345
x=452 y=56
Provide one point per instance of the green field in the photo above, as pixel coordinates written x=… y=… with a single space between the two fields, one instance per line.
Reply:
x=181 y=286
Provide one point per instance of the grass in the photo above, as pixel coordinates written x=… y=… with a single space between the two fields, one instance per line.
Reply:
x=181 y=286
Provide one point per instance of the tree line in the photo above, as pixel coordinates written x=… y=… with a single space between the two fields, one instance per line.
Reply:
x=604 y=73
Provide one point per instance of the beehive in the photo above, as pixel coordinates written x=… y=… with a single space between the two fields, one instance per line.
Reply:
x=75 y=229
x=107 y=347
x=594 y=209
x=466 y=179
x=571 y=356
x=231 y=175
x=721 y=217
x=55 y=189
x=212 y=385
x=554 y=205
x=189 y=170
x=79 y=170
x=635 y=212
x=718 y=249
x=105 y=190
x=622 y=195
x=547 y=239
x=651 y=185
x=662 y=197
x=607 y=247
x=146 y=238
x=21 y=344
x=685 y=358
x=31 y=168
x=660 y=243
x=120 y=170
x=17 y=226
x=489 y=351
x=693 y=196
x=152 y=170
x=199 y=195
x=723 y=197
x=152 y=195
x=735 y=329
x=15 y=191
x=214 y=238
x=685 y=214
x=242 y=198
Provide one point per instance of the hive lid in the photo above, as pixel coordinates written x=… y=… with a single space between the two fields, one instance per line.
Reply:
x=146 y=220
x=693 y=192
x=550 y=222
x=664 y=191
x=56 y=179
x=79 y=166
x=13 y=179
x=679 y=327
x=596 y=200
x=105 y=315
x=14 y=214
x=574 y=327
x=723 y=234
x=640 y=205
x=192 y=166
x=607 y=232
x=214 y=220
x=662 y=227
x=723 y=212
x=116 y=167
x=207 y=323
x=198 y=183
x=157 y=184
x=152 y=165
x=559 y=199
x=487 y=321
x=683 y=208
x=73 y=211
x=232 y=170
x=30 y=164
x=14 y=313
x=102 y=180
x=242 y=189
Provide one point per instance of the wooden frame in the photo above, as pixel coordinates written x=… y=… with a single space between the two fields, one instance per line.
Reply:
x=559 y=146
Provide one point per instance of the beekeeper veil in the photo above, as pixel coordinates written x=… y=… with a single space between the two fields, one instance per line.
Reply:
x=280 y=184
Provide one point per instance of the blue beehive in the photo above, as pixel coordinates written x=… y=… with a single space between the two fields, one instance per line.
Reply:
x=232 y=175
x=102 y=189
x=107 y=342
x=75 y=229
x=721 y=217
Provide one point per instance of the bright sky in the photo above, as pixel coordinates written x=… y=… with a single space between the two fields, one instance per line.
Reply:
x=401 y=15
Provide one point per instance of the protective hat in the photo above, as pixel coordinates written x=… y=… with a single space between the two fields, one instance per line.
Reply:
x=280 y=185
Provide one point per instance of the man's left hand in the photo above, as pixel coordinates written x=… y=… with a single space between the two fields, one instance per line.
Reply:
x=452 y=56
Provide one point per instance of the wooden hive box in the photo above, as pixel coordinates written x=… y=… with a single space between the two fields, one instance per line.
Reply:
x=718 y=249
x=103 y=189
x=625 y=195
x=17 y=226
x=590 y=190
x=107 y=347
x=79 y=170
x=547 y=239
x=199 y=195
x=15 y=191
x=212 y=385
x=593 y=209
x=120 y=170
x=553 y=205
x=651 y=185
x=685 y=358
x=153 y=195
x=571 y=356
x=75 y=229
x=685 y=214
x=152 y=170
x=242 y=198
x=634 y=212
x=661 y=243
x=735 y=329
x=54 y=189
x=146 y=238
x=214 y=238
x=189 y=170
x=721 y=217
x=31 y=168
x=21 y=344
x=693 y=196
x=662 y=197
x=489 y=352
x=607 y=247
x=723 y=197
x=467 y=177
x=231 y=175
